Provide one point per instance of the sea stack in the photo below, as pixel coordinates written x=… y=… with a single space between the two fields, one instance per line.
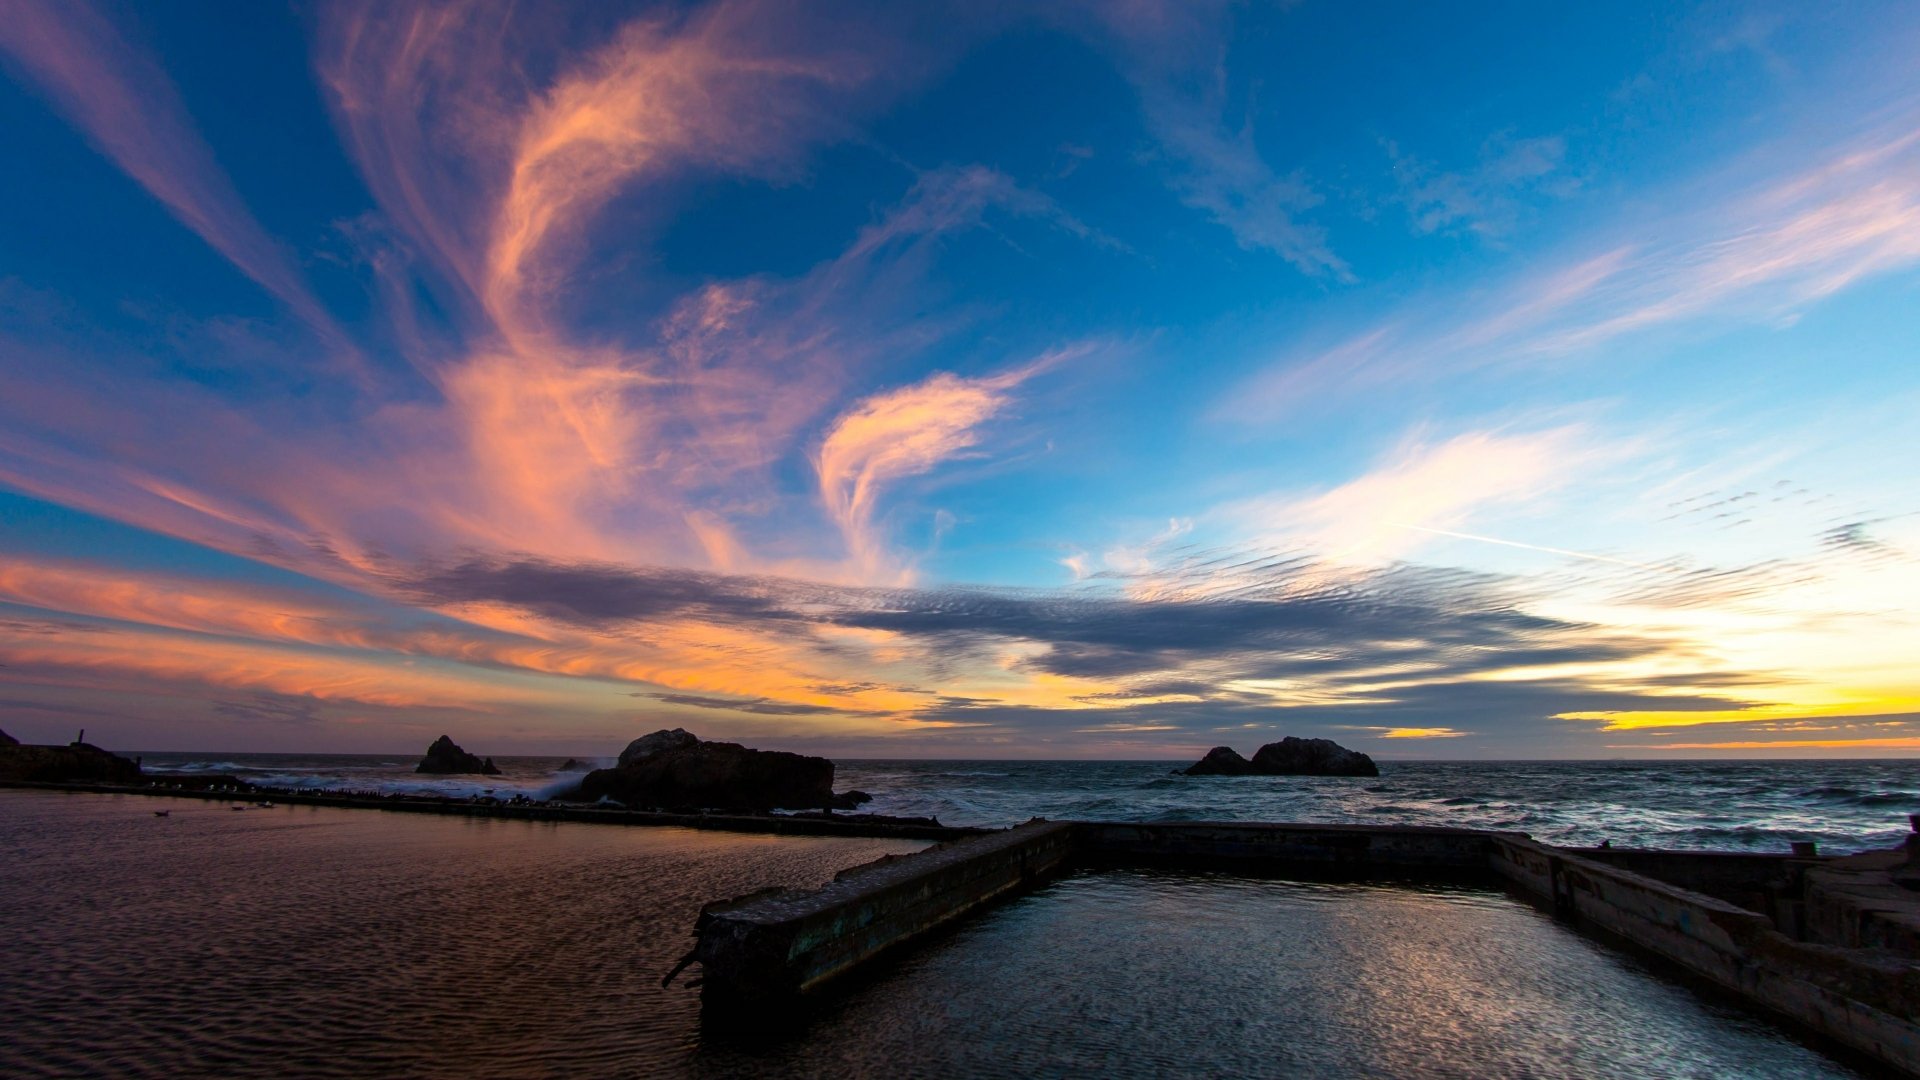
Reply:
x=445 y=758
x=675 y=769
x=1288 y=757
x=1221 y=761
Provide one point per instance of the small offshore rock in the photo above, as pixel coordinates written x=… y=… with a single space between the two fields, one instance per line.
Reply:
x=446 y=758
x=1221 y=761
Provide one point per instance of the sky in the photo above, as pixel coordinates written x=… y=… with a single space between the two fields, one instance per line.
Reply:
x=1058 y=380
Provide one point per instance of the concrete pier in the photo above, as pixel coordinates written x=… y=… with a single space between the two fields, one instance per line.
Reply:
x=771 y=947
x=1831 y=948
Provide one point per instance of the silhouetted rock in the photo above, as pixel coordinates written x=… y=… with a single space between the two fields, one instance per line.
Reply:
x=8 y=740
x=1311 y=757
x=572 y=765
x=659 y=742
x=446 y=758
x=74 y=763
x=1288 y=757
x=673 y=769
x=847 y=800
x=1221 y=761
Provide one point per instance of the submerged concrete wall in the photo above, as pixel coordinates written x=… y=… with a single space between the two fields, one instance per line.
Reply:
x=778 y=824
x=1861 y=998
x=775 y=945
x=1356 y=849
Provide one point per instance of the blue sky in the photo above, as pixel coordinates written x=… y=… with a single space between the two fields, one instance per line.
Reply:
x=1101 y=380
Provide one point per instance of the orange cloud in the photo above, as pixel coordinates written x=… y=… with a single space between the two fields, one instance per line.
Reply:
x=1909 y=743
x=897 y=434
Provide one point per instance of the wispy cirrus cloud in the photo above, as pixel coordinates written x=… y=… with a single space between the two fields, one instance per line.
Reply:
x=122 y=100
x=1174 y=54
x=902 y=433
x=1790 y=240
x=1487 y=198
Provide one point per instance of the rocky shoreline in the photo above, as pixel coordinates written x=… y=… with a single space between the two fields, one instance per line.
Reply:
x=82 y=767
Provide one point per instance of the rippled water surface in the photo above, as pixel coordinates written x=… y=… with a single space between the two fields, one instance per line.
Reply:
x=1139 y=974
x=1711 y=805
x=305 y=941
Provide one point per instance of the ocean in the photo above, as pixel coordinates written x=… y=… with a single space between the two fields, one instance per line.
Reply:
x=1707 y=805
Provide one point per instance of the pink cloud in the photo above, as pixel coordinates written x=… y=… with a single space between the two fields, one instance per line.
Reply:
x=128 y=108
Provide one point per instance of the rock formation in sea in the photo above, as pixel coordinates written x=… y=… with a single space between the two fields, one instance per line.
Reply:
x=1288 y=757
x=74 y=763
x=446 y=758
x=677 y=770
x=1311 y=757
x=1221 y=761
x=572 y=765
x=659 y=742
x=8 y=740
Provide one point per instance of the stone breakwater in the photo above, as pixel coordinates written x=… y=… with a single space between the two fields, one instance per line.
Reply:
x=224 y=789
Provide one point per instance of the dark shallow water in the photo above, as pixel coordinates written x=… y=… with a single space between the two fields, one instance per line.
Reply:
x=306 y=941
x=1707 y=805
x=1147 y=974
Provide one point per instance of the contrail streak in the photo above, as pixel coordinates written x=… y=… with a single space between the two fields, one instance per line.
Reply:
x=1529 y=547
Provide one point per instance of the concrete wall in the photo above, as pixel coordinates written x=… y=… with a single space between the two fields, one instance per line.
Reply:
x=775 y=945
x=1355 y=849
x=1860 y=998
x=1772 y=884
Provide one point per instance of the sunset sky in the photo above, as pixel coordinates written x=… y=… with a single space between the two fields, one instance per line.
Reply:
x=1105 y=379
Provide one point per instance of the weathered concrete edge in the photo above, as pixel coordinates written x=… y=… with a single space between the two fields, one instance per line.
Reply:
x=747 y=823
x=1857 y=998
x=778 y=944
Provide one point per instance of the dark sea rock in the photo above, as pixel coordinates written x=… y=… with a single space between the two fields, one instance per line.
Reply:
x=659 y=742
x=1311 y=757
x=74 y=763
x=1221 y=761
x=847 y=800
x=8 y=740
x=1288 y=757
x=446 y=758
x=572 y=765
x=676 y=770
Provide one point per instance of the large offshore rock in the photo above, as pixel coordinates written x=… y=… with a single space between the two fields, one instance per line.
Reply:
x=1221 y=761
x=673 y=773
x=1311 y=757
x=659 y=742
x=74 y=763
x=445 y=758
x=1288 y=757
